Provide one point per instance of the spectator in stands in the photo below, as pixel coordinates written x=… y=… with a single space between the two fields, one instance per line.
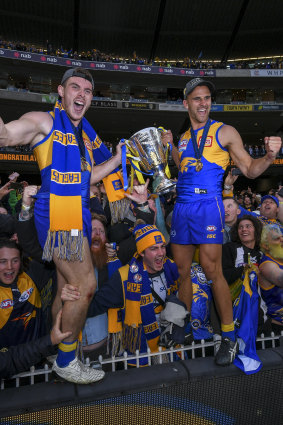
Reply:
x=135 y=295
x=247 y=201
x=271 y=274
x=240 y=260
x=19 y=358
x=105 y=263
x=232 y=211
x=21 y=312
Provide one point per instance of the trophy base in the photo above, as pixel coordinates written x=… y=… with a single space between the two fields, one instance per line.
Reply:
x=162 y=185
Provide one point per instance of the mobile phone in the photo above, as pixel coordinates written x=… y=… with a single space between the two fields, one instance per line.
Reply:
x=13 y=176
x=236 y=172
x=16 y=186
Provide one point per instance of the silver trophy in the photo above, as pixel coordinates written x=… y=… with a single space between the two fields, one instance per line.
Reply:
x=146 y=146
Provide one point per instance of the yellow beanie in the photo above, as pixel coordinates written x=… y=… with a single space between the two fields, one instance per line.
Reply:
x=147 y=235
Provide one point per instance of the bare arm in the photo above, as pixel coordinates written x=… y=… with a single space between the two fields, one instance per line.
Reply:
x=30 y=128
x=280 y=211
x=270 y=274
x=251 y=168
x=103 y=170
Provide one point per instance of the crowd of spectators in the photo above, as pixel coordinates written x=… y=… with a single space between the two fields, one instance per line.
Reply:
x=113 y=246
x=97 y=56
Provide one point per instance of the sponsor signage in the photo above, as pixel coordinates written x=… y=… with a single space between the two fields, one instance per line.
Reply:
x=277 y=161
x=268 y=107
x=106 y=66
x=139 y=105
x=104 y=103
x=238 y=108
x=216 y=108
x=17 y=157
x=266 y=72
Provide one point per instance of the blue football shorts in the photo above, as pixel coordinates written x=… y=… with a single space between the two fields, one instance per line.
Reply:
x=199 y=222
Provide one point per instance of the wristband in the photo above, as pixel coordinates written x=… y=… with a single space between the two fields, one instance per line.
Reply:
x=25 y=207
x=227 y=187
x=142 y=205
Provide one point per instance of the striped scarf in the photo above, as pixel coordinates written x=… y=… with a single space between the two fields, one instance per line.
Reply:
x=135 y=325
x=66 y=220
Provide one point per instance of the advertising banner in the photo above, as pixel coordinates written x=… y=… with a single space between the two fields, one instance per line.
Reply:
x=105 y=66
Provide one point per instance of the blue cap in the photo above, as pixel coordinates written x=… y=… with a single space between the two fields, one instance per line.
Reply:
x=270 y=197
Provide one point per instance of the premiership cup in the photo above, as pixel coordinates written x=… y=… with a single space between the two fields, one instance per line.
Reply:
x=146 y=146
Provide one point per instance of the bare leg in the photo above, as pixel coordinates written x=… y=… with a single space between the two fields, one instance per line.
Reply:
x=57 y=303
x=211 y=262
x=183 y=257
x=81 y=275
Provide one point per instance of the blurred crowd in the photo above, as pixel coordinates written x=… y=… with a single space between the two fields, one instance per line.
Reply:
x=98 y=56
x=253 y=244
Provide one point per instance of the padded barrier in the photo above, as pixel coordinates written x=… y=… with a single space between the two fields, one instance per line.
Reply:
x=191 y=392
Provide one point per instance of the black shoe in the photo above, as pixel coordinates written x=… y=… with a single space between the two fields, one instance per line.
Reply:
x=227 y=352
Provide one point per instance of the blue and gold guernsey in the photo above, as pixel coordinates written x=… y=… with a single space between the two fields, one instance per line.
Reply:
x=273 y=295
x=207 y=183
x=43 y=154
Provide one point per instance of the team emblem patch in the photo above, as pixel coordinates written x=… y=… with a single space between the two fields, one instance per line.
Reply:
x=137 y=277
x=134 y=268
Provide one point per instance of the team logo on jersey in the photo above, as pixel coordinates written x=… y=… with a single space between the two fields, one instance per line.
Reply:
x=211 y=228
x=208 y=142
x=6 y=304
x=87 y=144
x=26 y=318
x=183 y=144
x=186 y=163
x=25 y=295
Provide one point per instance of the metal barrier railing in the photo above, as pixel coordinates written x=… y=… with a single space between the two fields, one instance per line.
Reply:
x=201 y=349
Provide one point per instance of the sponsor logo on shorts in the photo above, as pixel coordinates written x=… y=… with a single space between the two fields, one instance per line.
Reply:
x=211 y=236
x=173 y=233
x=211 y=228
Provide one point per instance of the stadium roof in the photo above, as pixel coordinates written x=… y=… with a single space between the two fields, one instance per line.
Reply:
x=172 y=29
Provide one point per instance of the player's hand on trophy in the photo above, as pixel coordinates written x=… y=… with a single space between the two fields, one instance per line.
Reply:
x=272 y=146
x=118 y=154
x=167 y=137
x=139 y=194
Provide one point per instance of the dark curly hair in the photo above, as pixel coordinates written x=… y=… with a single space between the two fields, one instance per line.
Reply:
x=257 y=226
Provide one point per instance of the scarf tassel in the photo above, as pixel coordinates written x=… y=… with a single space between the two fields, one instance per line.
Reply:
x=119 y=209
x=132 y=338
x=70 y=247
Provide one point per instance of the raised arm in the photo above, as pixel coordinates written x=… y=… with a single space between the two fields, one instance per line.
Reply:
x=103 y=170
x=270 y=274
x=251 y=168
x=30 y=128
